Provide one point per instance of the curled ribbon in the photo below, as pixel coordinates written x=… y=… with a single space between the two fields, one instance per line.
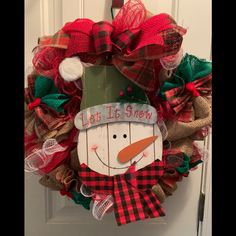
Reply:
x=42 y=157
x=68 y=178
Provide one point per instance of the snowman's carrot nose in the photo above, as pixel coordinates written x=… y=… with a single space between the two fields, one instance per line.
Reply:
x=127 y=153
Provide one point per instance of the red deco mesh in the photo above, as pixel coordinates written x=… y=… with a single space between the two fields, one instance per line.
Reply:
x=130 y=16
x=46 y=61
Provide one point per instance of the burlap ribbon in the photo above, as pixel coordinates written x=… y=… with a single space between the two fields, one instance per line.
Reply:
x=62 y=177
x=203 y=116
x=66 y=175
x=184 y=145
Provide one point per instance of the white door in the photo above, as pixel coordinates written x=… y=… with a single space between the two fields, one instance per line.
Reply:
x=49 y=214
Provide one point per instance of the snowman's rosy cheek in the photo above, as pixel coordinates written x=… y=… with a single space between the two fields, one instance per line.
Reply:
x=94 y=147
x=145 y=153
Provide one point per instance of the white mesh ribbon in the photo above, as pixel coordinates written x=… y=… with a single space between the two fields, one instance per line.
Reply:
x=203 y=151
x=171 y=62
x=86 y=191
x=101 y=205
x=163 y=129
x=40 y=158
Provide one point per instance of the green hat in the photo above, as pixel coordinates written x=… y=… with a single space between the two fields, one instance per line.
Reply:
x=108 y=96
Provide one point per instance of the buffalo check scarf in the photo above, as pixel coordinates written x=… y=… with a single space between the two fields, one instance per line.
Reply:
x=133 y=197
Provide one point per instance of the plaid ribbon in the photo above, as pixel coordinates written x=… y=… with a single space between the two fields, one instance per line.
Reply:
x=58 y=40
x=133 y=197
x=132 y=51
x=180 y=99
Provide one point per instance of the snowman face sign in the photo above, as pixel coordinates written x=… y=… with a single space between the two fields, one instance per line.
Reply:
x=111 y=148
x=116 y=122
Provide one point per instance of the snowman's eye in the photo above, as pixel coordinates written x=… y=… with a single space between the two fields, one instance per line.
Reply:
x=125 y=136
x=114 y=136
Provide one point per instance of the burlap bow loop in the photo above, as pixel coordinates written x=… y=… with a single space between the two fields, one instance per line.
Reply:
x=203 y=116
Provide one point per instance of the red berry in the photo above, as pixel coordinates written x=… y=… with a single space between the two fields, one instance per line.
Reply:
x=129 y=89
x=121 y=93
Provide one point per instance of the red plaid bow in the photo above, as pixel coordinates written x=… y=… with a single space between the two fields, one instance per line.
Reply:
x=133 y=197
x=180 y=98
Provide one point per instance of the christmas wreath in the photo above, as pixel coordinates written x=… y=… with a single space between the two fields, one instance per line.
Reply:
x=112 y=112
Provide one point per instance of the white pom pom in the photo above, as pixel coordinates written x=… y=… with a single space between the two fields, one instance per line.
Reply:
x=71 y=69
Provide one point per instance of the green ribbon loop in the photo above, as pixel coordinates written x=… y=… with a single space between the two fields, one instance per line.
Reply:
x=186 y=165
x=47 y=91
x=78 y=198
x=190 y=69
x=184 y=168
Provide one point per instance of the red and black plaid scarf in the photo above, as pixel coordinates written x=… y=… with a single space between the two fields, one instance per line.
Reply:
x=133 y=197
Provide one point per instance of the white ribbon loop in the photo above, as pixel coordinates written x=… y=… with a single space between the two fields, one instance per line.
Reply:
x=102 y=205
x=85 y=191
x=40 y=158
x=163 y=129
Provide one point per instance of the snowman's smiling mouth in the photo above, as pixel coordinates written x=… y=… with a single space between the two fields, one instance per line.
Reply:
x=126 y=167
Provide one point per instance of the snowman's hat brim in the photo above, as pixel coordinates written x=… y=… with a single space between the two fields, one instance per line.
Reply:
x=115 y=112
